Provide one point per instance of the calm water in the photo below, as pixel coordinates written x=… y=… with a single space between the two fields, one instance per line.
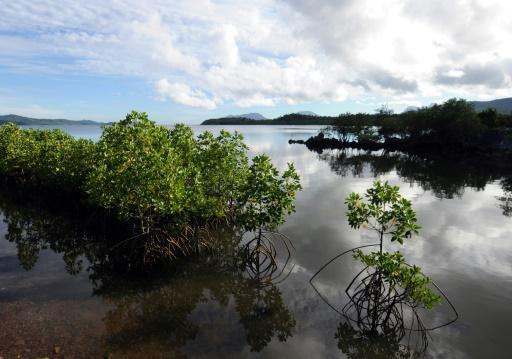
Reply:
x=59 y=295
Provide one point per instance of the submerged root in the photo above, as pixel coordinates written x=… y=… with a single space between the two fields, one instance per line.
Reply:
x=378 y=311
x=260 y=257
x=380 y=319
x=169 y=242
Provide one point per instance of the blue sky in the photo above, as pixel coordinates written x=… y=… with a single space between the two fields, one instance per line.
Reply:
x=185 y=61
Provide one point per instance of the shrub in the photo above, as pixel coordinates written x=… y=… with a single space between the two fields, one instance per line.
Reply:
x=135 y=171
x=268 y=195
x=391 y=216
x=216 y=168
x=49 y=156
x=152 y=176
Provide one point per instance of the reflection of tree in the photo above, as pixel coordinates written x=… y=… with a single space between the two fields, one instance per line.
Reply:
x=37 y=222
x=446 y=176
x=160 y=314
x=263 y=315
x=375 y=316
x=360 y=344
x=506 y=198
x=152 y=314
x=154 y=320
x=381 y=316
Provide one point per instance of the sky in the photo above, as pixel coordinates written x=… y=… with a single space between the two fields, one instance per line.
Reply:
x=186 y=61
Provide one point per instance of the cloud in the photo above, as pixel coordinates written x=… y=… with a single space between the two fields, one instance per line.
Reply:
x=269 y=52
x=396 y=83
x=157 y=40
x=255 y=100
x=183 y=94
x=225 y=48
x=492 y=75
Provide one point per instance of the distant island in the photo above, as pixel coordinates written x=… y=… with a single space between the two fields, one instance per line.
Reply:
x=453 y=127
x=299 y=118
x=28 y=121
x=502 y=106
x=250 y=116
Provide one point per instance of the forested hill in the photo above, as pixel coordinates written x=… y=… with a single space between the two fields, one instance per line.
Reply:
x=290 y=119
x=28 y=121
x=502 y=105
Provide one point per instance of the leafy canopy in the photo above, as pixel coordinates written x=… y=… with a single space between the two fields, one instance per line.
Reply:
x=384 y=210
x=151 y=176
x=267 y=195
x=49 y=156
x=135 y=170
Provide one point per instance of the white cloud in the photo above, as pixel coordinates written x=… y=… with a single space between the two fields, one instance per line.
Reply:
x=156 y=39
x=255 y=100
x=267 y=52
x=183 y=94
x=225 y=48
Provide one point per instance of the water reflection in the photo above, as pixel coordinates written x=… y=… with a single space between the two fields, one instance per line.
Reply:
x=39 y=221
x=151 y=312
x=361 y=344
x=158 y=318
x=445 y=176
x=378 y=318
x=505 y=200
x=465 y=246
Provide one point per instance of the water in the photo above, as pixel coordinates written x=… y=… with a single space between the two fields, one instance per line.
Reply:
x=60 y=293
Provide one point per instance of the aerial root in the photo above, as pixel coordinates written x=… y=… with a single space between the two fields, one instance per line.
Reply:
x=376 y=309
x=260 y=257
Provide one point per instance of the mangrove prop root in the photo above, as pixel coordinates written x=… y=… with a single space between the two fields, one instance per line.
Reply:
x=375 y=309
x=260 y=257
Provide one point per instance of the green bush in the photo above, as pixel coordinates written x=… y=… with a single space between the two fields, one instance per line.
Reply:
x=384 y=211
x=136 y=171
x=20 y=150
x=215 y=169
x=49 y=156
x=152 y=176
x=268 y=195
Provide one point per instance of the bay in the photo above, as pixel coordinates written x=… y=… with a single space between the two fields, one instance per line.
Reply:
x=465 y=245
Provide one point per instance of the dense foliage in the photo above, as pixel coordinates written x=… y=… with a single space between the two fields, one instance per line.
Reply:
x=454 y=122
x=151 y=176
x=391 y=216
x=52 y=157
x=267 y=195
x=134 y=171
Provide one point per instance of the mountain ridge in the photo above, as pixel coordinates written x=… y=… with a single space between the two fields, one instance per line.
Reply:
x=251 y=116
x=502 y=105
x=30 y=121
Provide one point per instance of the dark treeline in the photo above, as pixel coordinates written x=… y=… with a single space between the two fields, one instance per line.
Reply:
x=456 y=121
x=289 y=119
x=454 y=124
